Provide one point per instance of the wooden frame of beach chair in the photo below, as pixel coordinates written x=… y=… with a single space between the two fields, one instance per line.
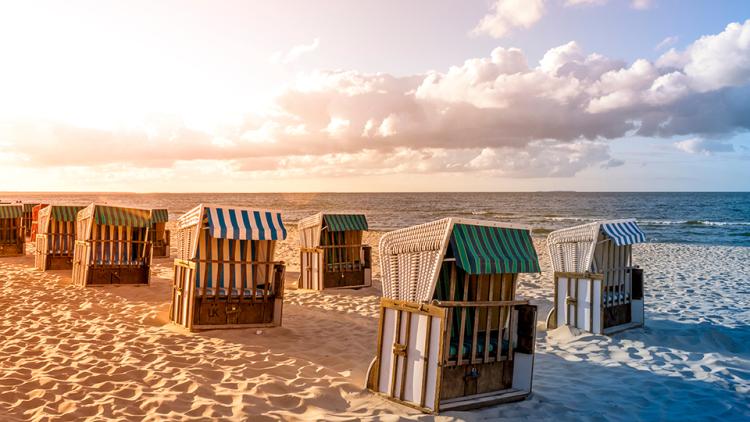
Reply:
x=160 y=236
x=332 y=254
x=226 y=276
x=112 y=246
x=35 y=221
x=28 y=218
x=11 y=230
x=56 y=237
x=452 y=335
x=597 y=287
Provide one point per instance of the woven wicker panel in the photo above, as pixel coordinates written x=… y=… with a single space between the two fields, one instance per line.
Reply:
x=309 y=230
x=572 y=249
x=190 y=218
x=311 y=221
x=410 y=259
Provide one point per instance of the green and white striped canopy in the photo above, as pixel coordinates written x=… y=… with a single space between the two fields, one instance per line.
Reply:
x=118 y=216
x=492 y=250
x=11 y=211
x=64 y=212
x=159 y=215
x=345 y=222
x=28 y=207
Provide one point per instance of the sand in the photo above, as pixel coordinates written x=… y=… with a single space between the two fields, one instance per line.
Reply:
x=68 y=353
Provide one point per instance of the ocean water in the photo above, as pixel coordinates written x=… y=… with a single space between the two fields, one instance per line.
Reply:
x=705 y=217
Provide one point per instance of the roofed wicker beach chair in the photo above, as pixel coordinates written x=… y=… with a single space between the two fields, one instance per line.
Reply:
x=28 y=218
x=112 y=246
x=225 y=275
x=452 y=334
x=597 y=287
x=11 y=230
x=55 y=237
x=331 y=252
x=159 y=234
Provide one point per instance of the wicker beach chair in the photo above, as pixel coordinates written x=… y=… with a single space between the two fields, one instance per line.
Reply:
x=597 y=287
x=452 y=334
x=112 y=246
x=225 y=275
x=331 y=252
x=11 y=230
x=55 y=237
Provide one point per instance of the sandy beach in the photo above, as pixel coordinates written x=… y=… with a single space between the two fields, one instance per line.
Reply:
x=68 y=353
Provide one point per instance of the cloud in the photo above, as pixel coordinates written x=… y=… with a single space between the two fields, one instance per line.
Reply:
x=498 y=114
x=584 y=2
x=666 y=42
x=641 y=4
x=281 y=57
x=507 y=15
x=703 y=146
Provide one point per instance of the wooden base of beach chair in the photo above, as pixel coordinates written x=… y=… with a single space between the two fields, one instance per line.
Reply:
x=583 y=301
x=47 y=262
x=414 y=365
x=98 y=276
x=14 y=249
x=213 y=313
x=346 y=279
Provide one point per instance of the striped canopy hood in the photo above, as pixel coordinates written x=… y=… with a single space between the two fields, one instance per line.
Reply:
x=61 y=212
x=230 y=222
x=116 y=216
x=11 y=211
x=159 y=215
x=245 y=224
x=344 y=222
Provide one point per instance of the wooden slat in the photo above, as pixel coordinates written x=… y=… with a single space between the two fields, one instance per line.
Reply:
x=474 y=335
x=427 y=351
x=462 y=328
x=407 y=338
x=451 y=296
x=488 y=321
x=397 y=339
x=510 y=322
x=500 y=321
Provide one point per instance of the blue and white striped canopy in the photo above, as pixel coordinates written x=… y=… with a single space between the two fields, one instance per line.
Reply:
x=624 y=233
x=243 y=224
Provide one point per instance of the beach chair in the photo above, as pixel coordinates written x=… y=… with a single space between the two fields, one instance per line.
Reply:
x=112 y=246
x=11 y=230
x=225 y=275
x=28 y=218
x=597 y=287
x=331 y=252
x=55 y=237
x=159 y=235
x=452 y=334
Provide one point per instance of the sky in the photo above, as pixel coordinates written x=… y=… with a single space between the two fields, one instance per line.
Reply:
x=387 y=95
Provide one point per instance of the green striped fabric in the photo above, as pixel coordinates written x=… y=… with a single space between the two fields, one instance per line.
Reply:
x=64 y=212
x=11 y=211
x=493 y=250
x=345 y=222
x=28 y=207
x=118 y=216
x=159 y=215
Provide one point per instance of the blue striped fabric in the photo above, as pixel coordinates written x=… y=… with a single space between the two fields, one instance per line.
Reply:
x=624 y=233
x=241 y=224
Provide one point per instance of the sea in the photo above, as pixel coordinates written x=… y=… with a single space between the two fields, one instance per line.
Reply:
x=714 y=218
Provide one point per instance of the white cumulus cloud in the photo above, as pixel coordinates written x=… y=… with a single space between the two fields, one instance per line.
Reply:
x=507 y=15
